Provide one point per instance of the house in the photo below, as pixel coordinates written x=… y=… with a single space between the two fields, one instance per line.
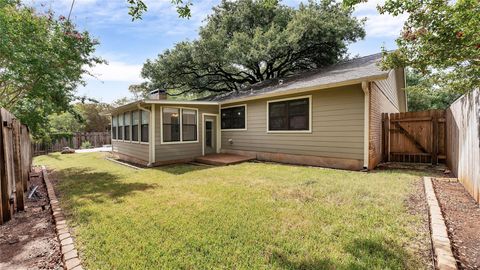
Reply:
x=329 y=117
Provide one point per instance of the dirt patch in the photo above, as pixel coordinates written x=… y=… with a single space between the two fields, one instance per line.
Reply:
x=29 y=240
x=417 y=205
x=462 y=216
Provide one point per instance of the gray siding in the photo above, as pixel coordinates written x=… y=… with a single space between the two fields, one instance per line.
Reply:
x=179 y=151
x=337 y=127
x=392 y=88
x=135 y=150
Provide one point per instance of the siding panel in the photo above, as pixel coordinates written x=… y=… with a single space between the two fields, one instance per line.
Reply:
x=337 y=127
x=135 y=150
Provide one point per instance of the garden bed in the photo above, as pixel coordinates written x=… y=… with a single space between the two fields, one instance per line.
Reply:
x=462 y=216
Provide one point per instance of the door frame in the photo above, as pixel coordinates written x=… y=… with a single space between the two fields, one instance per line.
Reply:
x=217 y=132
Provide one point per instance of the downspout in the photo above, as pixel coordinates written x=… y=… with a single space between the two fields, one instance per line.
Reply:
x=366 y=124
x=151 y=139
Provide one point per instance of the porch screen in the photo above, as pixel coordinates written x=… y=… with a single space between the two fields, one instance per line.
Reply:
x=135 y=122
x=171 y=124
x=144 y=127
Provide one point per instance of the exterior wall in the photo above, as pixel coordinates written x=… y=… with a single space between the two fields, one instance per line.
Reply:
x=386 y=96
x=179 y=152
x=337 y=131
x=133 y=151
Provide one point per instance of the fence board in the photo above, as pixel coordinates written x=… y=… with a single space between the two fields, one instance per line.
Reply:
x=463 y=131
x=96 y=139
x=15 y=164
x=414 y=137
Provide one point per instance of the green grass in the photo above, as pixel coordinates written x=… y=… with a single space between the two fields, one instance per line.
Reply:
x=246 y=216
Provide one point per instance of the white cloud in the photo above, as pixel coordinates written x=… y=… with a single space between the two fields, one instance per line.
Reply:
x=384 y=25
x=117 y=71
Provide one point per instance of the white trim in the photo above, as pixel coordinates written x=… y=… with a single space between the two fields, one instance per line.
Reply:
x=180 y=102
x=151 y=140
x=366 y=124
x=310 y=120
x=217 y=131
x=306 y=89
x=180 y=110
x=246 y=116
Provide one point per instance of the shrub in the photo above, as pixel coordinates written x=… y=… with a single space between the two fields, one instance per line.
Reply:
x=86 y=145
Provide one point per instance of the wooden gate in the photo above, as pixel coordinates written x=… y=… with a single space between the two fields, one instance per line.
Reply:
x=414 y=137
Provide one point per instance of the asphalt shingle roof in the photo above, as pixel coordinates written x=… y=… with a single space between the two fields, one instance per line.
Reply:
x=351 y=70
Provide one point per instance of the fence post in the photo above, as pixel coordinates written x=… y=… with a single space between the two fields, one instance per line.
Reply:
x=6 y=207
x=385 y=132
x=17 y=163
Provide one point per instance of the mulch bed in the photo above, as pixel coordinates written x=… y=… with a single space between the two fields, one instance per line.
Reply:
x=462 y=216
x=29 y=241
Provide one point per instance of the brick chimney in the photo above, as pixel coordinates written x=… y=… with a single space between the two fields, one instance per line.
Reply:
x=159 y=94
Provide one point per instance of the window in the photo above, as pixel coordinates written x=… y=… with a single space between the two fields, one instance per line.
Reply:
x=120 y=127
x=234 y=117
x=179 y=125
x=289 y=115
x=135 y=122
x=189 y=125
x=114 y=127
x=171 y=125
x=144 y=125
x=126 y=128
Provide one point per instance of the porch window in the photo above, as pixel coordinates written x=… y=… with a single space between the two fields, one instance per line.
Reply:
x=135 y=122
x=145 y=118
x=234 y=117
x=171 y=125
x=289 y=115
x=120 y=127
x=126 y=128
x=189 y=125
x=114 y=127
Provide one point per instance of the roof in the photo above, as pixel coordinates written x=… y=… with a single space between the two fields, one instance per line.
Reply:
x=343 y=73
x=348 y=72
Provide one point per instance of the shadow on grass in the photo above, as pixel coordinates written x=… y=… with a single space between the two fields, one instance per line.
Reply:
x=366 y=253
x=178 y=169
x=87 y=184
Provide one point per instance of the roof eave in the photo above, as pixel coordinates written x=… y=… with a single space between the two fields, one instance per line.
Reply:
x=382 y=76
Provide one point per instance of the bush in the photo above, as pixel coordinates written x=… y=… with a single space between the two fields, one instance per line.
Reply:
x=86 y=145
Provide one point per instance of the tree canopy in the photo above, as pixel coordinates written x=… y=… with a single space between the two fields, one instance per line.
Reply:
x=440 y=40
x=42 y=60
x=244 y=42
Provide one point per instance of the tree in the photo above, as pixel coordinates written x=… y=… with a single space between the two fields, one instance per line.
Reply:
x=65 y=123
x=423 y=94
x=440 y=39
x=42 y=60
x=245 y=42
x=94 y=115
x=139 y=91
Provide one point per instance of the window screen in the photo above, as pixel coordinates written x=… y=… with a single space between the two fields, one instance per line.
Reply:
x=289 y=115
x=233 y=118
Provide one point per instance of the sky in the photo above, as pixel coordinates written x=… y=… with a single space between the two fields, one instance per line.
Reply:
x=126 y=45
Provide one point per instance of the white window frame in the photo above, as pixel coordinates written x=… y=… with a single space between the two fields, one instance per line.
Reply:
x=116 y=128
x=139 y=127
x=246 y=116
x=310 y=120
x=181 y=125
x=130 y=125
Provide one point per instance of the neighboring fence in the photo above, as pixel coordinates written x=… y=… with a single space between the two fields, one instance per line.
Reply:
x=15 y=164
x=96 y=139
x=463 y=149
x=414 y=137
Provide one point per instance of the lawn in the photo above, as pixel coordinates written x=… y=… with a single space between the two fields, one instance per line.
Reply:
x=246 y=216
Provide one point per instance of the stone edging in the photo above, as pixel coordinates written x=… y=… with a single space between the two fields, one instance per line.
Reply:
x=70 y=257
x=440 y=241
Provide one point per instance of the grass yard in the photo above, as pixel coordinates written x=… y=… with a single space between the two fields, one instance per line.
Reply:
x=246 y=216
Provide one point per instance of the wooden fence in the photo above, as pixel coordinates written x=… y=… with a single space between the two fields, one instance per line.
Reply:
x=463 y=149
x=96 y=139
x=414 y=137
x=15 y=165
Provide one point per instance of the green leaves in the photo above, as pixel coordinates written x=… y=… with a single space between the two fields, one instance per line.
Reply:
x=42 y=61
x=248 y=41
